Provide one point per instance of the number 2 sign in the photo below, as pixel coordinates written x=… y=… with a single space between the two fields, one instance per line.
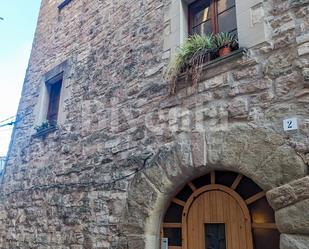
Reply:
x=290 y=124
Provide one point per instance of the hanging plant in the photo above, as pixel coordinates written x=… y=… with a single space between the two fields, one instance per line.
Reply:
x=195 y=51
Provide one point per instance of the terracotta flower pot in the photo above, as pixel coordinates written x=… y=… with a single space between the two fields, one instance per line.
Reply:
x=224 y=51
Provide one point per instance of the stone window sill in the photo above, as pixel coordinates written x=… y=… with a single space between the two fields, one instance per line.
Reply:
x=45 y=132
x=214 y=67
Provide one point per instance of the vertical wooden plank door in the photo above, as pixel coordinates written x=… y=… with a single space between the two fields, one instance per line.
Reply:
x=216 y=220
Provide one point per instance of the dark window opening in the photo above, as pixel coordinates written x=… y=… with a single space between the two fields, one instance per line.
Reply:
x=225 y=178
x=201 y=181
x=247 y=188
x=54 y=91
x=174 y=213
x=215 y=236
x=184 y=194
x=212 y=16
x=266 y=238
x=63 y=4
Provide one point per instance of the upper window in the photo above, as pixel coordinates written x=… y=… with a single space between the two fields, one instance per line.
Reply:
x=63 y=4
x=54 y=90
x=212 y=16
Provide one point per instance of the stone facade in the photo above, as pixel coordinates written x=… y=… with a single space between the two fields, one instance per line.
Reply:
x=124 y=145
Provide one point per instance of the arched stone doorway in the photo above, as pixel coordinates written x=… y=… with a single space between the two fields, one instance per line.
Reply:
x=220 y=210
x=267 y=160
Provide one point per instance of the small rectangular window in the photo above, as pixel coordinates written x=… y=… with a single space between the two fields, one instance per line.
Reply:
x=215 y=236
x=54 y=91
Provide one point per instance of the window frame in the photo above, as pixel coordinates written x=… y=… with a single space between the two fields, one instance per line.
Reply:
x=54 y=95
x=213 y=12
x=49 y=86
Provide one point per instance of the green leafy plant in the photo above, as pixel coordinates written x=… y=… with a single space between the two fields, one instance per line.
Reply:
x=194 y=52
x=225 y=39
x=44 y=126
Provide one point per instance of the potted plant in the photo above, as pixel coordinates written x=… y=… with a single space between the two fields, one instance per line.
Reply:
x=225 y=42
x=195 y=51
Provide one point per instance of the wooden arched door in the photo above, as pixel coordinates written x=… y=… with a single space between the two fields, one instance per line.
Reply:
x=220 y=210
x=216 y=217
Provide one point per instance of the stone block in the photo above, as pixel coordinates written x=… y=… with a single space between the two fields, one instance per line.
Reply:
x=279 y=64
x=289 y=194
x=238 y=108
x=145 y=189
x=166 y=54
x=215 y=82
x=302 y=38
x=298 y=3
x=290 y=241
x=250 y=87
x=135 y=243
x=285 y=85
x=294 y=219
x=156 y=173
x=303 y=49
x=250 y=72
x=154 y=70
x=199 y=151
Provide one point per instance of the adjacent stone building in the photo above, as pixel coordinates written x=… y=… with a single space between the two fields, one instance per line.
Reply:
x=123 y=163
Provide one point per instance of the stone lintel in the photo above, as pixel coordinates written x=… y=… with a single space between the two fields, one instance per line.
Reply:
x=52 y=75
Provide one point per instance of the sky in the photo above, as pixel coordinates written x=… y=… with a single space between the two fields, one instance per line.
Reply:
x=16 y=35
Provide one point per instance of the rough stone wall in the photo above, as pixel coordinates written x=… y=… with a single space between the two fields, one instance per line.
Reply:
x=103 y=179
